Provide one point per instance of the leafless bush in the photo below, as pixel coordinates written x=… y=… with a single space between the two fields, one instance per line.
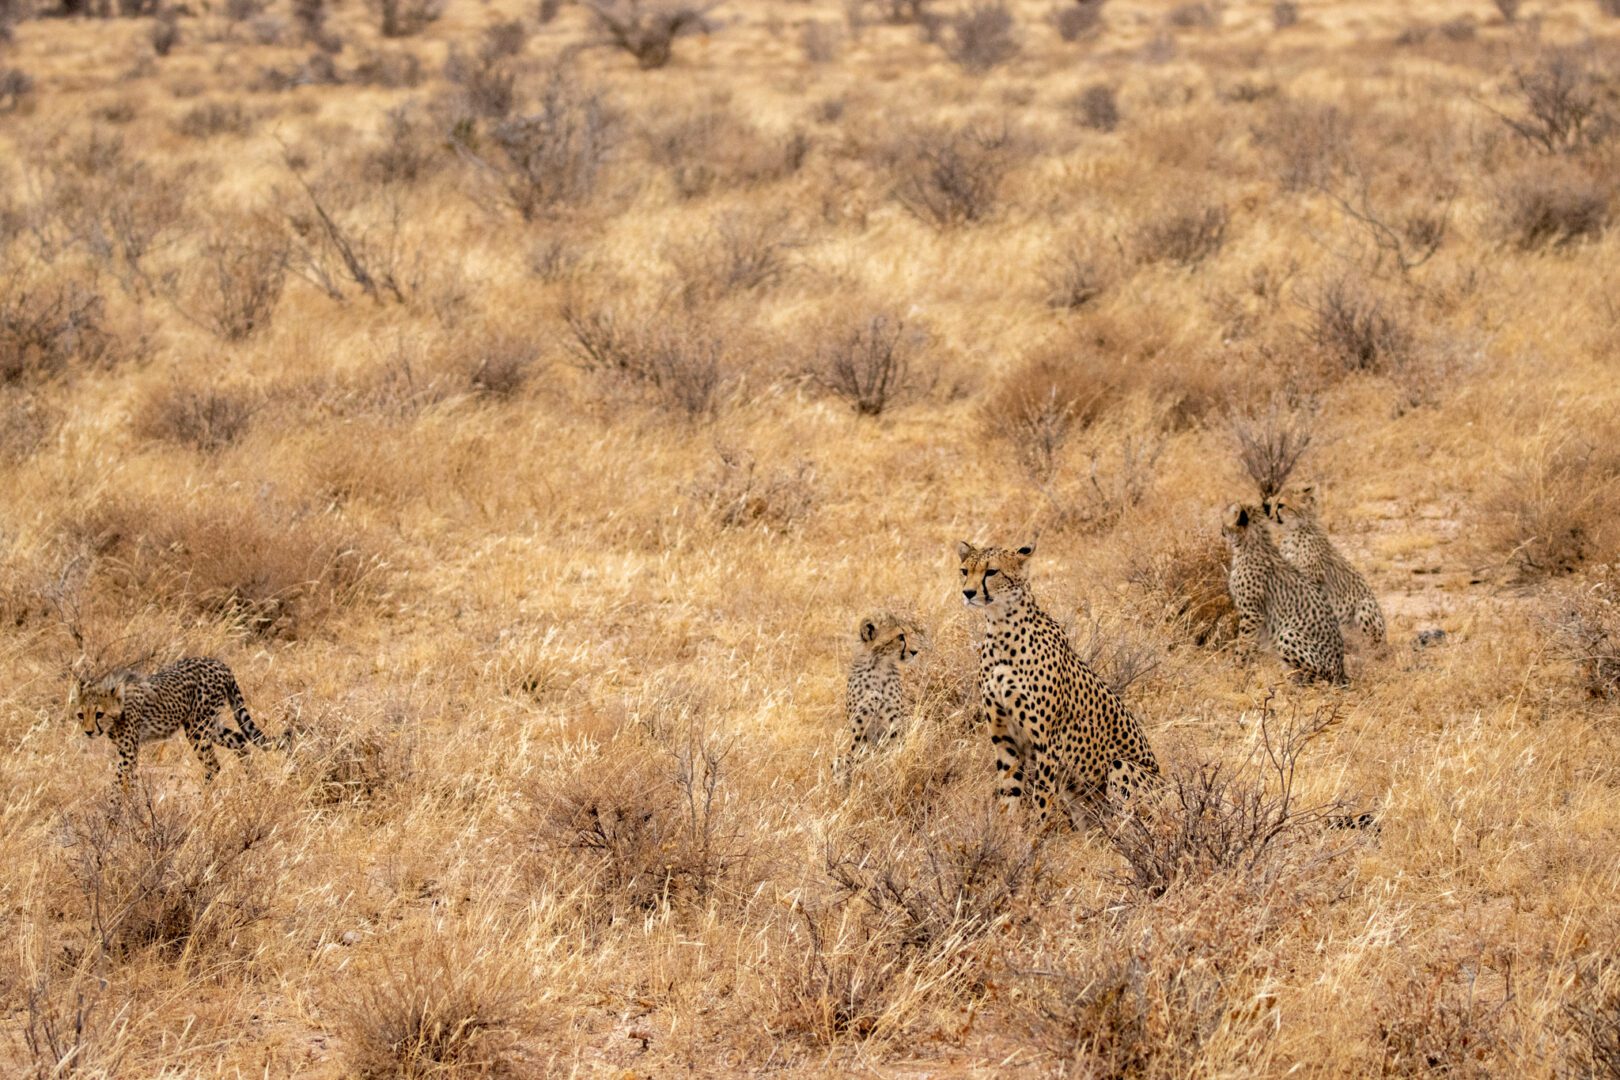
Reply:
x=554 y=155
x=843 y=974
x=15 y=86
x=390 y=68
x=1076 y=277
x=1270 y=444
x=1184 y=236
x=1355 y=329
x=1609 y=7
x=488 y=86
x=871 y=363
x=212 y=119
x=1193 y=17
x=26 y=423
x=206 y=419
x=1120 y=656
x=679 y=361
x=1041 y=404
x=1437 y=1019
x=155 y=877
x=310 y=15
x=1592 y=1016
x=1078 y=19
x=1509 y=9
x=73 y=1031
x=1308 y=143
x=1098 y=108
x=647 y=29
x=1584 y=617
x=165 y=32
x=1119 y=475
x=241 y=277
x=1554 y=206
x=548 y=10
x=1461 y=29
x=1556 y=507
x=1185 y=579
x=1562 y=110
x=44 y=329
x=737 y=493
x=740 y=253
x=437 y=1008
x=820 y=42
x=709 y=149
x=1228 y=818
x=1284 y=13
x=983 y=36
x=652 y=829
x=405 y=153
x=340 y=236
x=950 y=178
x=403 y=18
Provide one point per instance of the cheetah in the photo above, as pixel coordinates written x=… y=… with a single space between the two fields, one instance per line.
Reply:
x=1306 y=545
x=874 y=702
x=1275 y=600
x=130 y=709
x=1057 y=729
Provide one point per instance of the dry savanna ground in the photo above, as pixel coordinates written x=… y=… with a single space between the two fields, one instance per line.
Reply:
x=529 y=418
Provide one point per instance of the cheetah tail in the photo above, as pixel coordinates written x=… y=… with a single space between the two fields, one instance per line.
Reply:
x=233 y=694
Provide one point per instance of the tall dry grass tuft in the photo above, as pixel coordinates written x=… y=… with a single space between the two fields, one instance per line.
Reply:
x=873 y=362
x=1554 y=508
x=1584 y=617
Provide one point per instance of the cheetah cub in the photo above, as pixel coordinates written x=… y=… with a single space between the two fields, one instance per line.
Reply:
x=1306 y=545
x=1057 y=729
x=131 y=709
x=875 y=702
x=1276 y=601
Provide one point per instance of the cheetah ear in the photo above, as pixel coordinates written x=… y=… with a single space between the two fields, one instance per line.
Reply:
x=1242 y=517
x=868 y=630
x=1027 y=550
x=965 y=550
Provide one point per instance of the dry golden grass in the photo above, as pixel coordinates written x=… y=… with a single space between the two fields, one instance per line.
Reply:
x=528 y=428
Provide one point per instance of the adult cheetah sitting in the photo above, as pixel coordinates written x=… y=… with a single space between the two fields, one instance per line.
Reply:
x=1276 y=601
x=1057 y=728
x=1304 y=543
x=131 y=709
x=875 y=702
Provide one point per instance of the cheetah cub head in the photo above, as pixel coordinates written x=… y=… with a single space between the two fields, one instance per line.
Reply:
x=1291 y=507
x=891 y=637
x=992 y=576
x=1235 y=525
x=95 y=705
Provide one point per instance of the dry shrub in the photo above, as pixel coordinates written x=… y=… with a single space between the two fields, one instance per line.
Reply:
x=1308 y=143
x=212 y=119
x=1077 y=276
x=1285 y=13
x=1584 y=618
x=1120 y=655
x=1193 y=17
x=1592 y=1015
x=405 y=153
x=710 y=150
x=487 y=86
x=842 y=976
x=1078 y=19
x=1097 y=107
x=950 y=177
x=821 y=42
x=738 y=494
x=404 y=18
x=352 y=759
x=393 y=69
x=165 y=32
x=1557 y=505
x=1610 y=8
x=675 y=359
x=553 y=156
x=1040 y=405
x=871 y=362
x=158 y=877
x=26 y=422
x=436 y=1007
x=1185 y=581
x=647 y=29
x=1236 y=819
x=1459 y=30
x=15 y=87
x=740 y=252
x=74 y=1031
x=1563 y=103
x=499 y=364
x=262 y=566
x=1552 y=206
x=1437 y=1019
x=1354 y=329
x=648 y=829
x=1271 y=443
x=982 y=36
x=1120 y=469
x=238 y=280
x=207 y=418
x=46 y=329
x=1185 y=236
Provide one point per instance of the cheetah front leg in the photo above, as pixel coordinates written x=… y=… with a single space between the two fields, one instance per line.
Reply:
x=1009 y=758
x=1126 y=780
x=129 y=748
x=1251 y=620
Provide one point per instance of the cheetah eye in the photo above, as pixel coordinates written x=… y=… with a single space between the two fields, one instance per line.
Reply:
x=991 y=573
x=964 y=571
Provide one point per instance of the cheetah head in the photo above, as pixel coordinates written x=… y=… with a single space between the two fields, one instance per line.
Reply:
x=94 y=705
x=886 y=635
x=991 y=575
x=1288 y=507
x=1239 y=516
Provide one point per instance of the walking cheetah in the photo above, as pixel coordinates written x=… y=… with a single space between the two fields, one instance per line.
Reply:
x=1275 y=600
x=874 y=702
x=1306 y=545
x=1057 y=728
x=130 y=709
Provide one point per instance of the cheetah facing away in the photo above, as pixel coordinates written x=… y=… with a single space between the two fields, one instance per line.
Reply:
x=875 y=702
x=1275 y=600
x=1058 y=730
x=1304 y=543
x=131 y=709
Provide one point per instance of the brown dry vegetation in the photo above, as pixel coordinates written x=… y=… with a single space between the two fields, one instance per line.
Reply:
x=528 y=411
